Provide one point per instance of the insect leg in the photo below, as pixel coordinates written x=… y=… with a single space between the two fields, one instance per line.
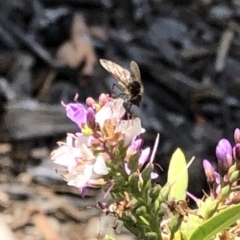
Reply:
x=116 y=86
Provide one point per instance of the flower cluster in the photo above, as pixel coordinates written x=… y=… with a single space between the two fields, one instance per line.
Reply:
x=224 y=195
x=223 y=183
x=90 y=156
x=108 y=153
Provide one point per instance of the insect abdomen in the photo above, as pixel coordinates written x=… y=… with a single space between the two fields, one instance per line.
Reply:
x=134 y=88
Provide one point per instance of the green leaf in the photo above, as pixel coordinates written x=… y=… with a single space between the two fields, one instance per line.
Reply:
x=217 y=223
x=178 y=175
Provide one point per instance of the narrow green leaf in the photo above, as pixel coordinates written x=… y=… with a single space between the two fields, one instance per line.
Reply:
x=178 y=175
x=217 y=223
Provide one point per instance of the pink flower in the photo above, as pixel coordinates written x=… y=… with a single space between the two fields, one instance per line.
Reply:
x=71 y=153
x=133 y=149
x=87 y=175
x=136 y=144
x=82 y=166
x=66 y=155
x=76 y=112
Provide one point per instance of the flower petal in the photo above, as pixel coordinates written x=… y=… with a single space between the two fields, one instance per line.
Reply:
x=127 y=169
x=144 y=156
x=154 y=175
x=77 y=113
x=111 y=110
x=100 y=167
x=130 y=128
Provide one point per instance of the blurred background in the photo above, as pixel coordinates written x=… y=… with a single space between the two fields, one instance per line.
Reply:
x=188 y=52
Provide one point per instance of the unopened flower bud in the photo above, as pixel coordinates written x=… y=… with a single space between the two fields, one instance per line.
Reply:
x=237 y=135
x=154 y=192
x=209 y=172
x=133 y=202
x=133 y=179
x=232 y=169
x=224 y=192
x=151 y=236
x=218 y=188
x=236 y=152
x=217 y=177
x=156 y=205
x=163 y=196
x=211 y=208
x=90 y=101
x=234 y=176
x=224 y=156
x=141 y=211
x=174 y=223
x=103 y=99
x=91 y=118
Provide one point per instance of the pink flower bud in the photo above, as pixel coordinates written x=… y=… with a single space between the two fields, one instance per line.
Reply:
x=236 y=154
x=224 y=156
x=103 y=99
x=237 y=135
x=90 y=101
x=91 y=117
x=209 y=171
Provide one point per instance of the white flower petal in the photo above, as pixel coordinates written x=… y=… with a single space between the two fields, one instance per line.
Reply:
x=130 y=129
x=67 y=157
x=78 y=181
x=111 y=110
x=87 y=153
x=100 y=167
x=81 y=139
x=88 y=170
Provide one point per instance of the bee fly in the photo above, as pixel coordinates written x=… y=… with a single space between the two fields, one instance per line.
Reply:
x=130 y=84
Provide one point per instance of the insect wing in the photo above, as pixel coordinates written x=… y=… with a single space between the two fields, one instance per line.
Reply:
x=121 y=74
x=135 y=70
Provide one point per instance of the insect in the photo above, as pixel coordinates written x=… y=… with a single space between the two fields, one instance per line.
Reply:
x=180 y=208
x=130 y=84
x=175 y=207
x=117 y=208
